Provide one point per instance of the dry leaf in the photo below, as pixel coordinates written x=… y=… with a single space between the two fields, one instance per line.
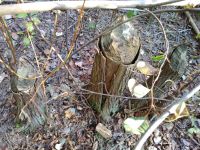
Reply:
x=138 y=90
x=131 y=84
x=146 y=68
x=180 y=112
x=136 y=125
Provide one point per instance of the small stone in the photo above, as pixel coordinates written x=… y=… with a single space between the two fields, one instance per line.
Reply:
x=103 y=131
x=47 y=51
x=157 y=140
x=59 y=33
x=198 y=122
x=198 y=61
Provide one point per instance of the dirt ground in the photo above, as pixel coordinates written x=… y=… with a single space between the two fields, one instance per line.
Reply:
x=71 y=121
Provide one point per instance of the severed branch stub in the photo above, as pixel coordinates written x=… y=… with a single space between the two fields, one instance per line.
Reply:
x=112 y=67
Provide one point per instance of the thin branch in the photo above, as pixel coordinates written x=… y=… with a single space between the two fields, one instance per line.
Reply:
x=8 y=38
x=194 y=26
x=14 y=72
x=135 y=17
x=118 y=96
x=66 y=58
x=164 y=61
x=170 y=110
x=55 y=30
x=64 y=5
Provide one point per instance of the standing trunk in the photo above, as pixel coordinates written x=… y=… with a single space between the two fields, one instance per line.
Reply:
x=112 y=68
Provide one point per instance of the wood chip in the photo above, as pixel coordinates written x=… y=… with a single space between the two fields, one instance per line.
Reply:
x=103 y=131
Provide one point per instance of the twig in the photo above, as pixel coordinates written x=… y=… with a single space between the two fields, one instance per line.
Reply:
x=164 y=61
x=118 y=96
x=54 y=32
x=14 y=72
x=194 y=26
x=66 y=58
x=67 y=34
x=170 y=110
x=64 y=5
x=8 y=38
x=36 y=58
x=135 y=17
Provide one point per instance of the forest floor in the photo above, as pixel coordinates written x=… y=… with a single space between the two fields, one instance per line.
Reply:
x=71 y=121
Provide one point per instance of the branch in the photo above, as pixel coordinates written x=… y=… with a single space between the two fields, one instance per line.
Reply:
x=169 y=110
x=164 y=61
x=64 y=5
x=194 y=26
x=135 y=17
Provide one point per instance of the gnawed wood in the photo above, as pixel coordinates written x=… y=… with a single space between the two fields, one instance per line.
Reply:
x=112 y=68
x=31 y=107
x=171 y=72
x=103 y=131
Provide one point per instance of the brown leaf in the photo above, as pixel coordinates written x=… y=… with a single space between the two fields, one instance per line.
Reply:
x=146 y=69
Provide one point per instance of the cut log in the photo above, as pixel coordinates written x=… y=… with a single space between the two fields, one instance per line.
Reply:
x=112 y=68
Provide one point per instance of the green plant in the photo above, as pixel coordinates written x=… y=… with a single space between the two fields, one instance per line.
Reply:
x=29 y=26
x=92 y=25
x=197 y=36
x=131 y=13
x=158 y=57
x=194 y=129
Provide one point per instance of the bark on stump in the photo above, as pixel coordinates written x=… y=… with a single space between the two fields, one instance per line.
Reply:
x=112 y=68
x=30 y=103
x=171 y=72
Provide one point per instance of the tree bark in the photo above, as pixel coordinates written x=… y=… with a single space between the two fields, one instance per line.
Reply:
x=112 y=68
x=171 y=73
x=31 y=108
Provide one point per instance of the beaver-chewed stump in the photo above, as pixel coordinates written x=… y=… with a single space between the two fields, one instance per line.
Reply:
x=112 y=67
x=29 y=96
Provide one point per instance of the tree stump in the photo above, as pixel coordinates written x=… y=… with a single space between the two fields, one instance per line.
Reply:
x=112 y=68
x=171 y=72
x=30 y=103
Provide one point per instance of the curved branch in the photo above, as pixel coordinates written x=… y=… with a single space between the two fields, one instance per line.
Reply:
x=135 y=17
x=169 y=110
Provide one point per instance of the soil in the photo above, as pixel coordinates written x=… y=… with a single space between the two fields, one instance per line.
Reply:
x=71 y=120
